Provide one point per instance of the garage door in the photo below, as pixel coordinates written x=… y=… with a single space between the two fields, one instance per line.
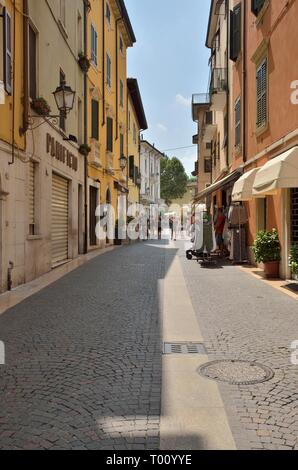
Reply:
x=59 y=219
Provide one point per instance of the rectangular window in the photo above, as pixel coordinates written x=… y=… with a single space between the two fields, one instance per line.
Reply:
x=62 y=115
x=94 y=42
x=32 y=63
x=256 y=6
x=235 y=33
x=131 y=166
x=262 y=94
x=238 y=122
x=134 y=134
x=109 y=134
x=95 y=119
x=109 y=71
x=121 y=45
x=207 y=165
x=31 y=198
x=7 y=47
x=121 y=94
x=121 y=145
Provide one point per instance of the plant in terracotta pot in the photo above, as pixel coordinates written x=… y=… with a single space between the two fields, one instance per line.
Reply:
x=85 y=150
x=267 y=251
x=41 y=106
x=293 y=262
x=84 y=62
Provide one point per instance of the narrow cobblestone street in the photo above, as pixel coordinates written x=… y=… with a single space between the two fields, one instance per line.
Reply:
x=84 y=356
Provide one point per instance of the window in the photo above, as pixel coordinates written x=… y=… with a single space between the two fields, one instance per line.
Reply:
x=7 y=47
x=32 y=63
x=94 y=41
x=121 y=45
x=121 y=94
x=95 y=120
x=235 y=33
x=62 y=115
x=121 y=145
x=238 y=122
x=262 y=94
x=80 y=33
x=256 y=6
x=63 y=12
x=131 y=166
x=207 y=165
x=109 y=134
x=108 y=13
x=134 y=133
x=129 y=120
x=109 y=71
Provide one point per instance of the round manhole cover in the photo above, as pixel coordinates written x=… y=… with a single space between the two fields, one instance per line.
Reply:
x=237 y=372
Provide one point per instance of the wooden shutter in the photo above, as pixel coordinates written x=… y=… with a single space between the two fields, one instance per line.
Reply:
x=235 y=33
x=59 y=219
x=110 y=134
x=262 y=94
x=121 y=145
x=94 y=40
x=95 y=119
x=109 y=71
x=238 y=122
x=32 y=63
x=131 y=166
x=7 y=48
x=31 y=198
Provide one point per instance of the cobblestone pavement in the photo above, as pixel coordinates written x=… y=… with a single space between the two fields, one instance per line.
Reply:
x=83 y=358
x=243 y=318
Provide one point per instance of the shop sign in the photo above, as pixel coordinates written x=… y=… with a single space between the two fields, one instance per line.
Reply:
x=58 y=151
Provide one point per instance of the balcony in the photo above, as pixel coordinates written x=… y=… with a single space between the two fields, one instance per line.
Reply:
x=195 y=139
x=94 y=156
x=200 y=102
x=218 y=89
x=209 y=127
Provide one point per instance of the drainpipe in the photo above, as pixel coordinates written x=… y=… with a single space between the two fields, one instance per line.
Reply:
x=228 y=84
x=13 y=87
x=244 y=79
x=25 y=67
x=117 y=78
x=103 y=67
x=85 y=130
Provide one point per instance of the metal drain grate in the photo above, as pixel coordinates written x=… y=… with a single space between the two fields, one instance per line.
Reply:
x=184 y=348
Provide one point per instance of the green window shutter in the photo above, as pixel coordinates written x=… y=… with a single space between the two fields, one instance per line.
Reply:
x=256 y=6
x=235 y=33
x=7 y=48
x=238 y=122
x=110 y=134
x=131 y=166
x=262 y=94
x=121 y=145
x=95 y=119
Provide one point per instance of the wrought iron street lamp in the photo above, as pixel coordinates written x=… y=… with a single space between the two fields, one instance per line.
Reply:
x=64 y=97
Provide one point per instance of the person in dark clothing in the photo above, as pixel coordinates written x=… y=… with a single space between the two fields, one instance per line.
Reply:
x=219 y=230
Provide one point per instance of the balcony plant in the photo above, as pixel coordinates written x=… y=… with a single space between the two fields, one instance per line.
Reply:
x=41 y=106
x=267 y=251
x=84 y=62
x=85 y=150
x=293 y=261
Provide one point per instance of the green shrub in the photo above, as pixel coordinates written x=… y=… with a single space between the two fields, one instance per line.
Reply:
x=267 y=247
x=293 y=260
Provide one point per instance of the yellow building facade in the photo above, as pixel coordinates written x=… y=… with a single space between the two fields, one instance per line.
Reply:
x=136 y=123
x=109 y=36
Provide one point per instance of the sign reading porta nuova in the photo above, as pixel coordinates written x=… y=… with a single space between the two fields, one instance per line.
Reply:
x=58 y=151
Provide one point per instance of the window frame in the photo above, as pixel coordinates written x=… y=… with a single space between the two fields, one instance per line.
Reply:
x=109 y=70
x=261 y=94
x=7 y=51
x=238 y=130
x=94 y=45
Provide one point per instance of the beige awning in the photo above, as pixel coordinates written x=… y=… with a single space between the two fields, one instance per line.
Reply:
x=224 y=183
x=279 y=173
x=242 y=190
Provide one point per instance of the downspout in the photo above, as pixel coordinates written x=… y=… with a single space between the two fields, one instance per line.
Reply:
x=117 y=79
x=103 y=67
x=228 y=84
x=13 y=87
x=244 y=83
x=85 y=130
x=25 y=67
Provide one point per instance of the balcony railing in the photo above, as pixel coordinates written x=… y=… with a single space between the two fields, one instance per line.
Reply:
x=218 y=82
x=201 y=99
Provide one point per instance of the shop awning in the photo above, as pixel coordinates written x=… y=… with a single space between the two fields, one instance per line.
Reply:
x=279 y=173
x=224 y=183
x=243 y=188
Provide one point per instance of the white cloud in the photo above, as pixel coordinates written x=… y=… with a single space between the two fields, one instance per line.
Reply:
x=180 y=99
x=162 y=127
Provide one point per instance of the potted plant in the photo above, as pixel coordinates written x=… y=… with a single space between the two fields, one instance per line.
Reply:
x=41 y=106
x=85 y=150
x=267 y=251
x=294 y=262
x=84 y=62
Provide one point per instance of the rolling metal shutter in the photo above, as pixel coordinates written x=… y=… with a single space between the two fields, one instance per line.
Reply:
x=59 y=219
x=31 y=196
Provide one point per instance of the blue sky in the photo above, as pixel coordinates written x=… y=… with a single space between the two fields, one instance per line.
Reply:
x=170 y=61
